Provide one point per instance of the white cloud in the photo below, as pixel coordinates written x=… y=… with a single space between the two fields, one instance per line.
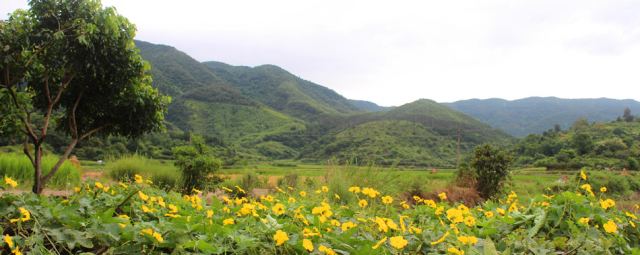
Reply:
x=392 y=53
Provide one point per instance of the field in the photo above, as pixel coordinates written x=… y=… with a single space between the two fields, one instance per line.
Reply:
x=342 y=210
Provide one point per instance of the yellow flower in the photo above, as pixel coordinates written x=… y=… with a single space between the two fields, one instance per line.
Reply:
x=398 y=242
x=430 y=203
x=603 y=189
x=335 y=223
x=488 y=214
x=632 y=224
x=149 y=181
x=16 y=251
x=226 y=209
x=318 y=191
x=148 y=231
x=99 y=185
x=363 y=203
x=467 y=239
x=228 y=222
x=387 y=200
x=197 y=191
x=25 y=216
x=143 y=196
x=326 y=250
x=303 y=194
x=158 y=237
x=631 y=215
x=455 y=251
x=455 y=215
x=173 y=208
x=10 y=182
x=354 y=189
x=379 y=243
x=442 y=196
x=584 y=221
x=209 y=213
x=290 y=188
x=280 y=237
x=584 y=176
x=76 y=189
x=441 y=239
x=606 y=204
x=292 y=200
x=348 y=225
x=122 y=184
x=610 y=227
x=306 y=243
x=470 y=221
x=124 y=216
x=8 y=240
x=325 y=189
x=241 y=190
x=145 y=209
x=336 y=195
x=414 y=230
x=278 y=209
x=138 y=178
x=439 y=210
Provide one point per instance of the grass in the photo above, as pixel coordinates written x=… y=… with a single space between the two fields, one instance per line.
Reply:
x=19 y=168
x=161 y=172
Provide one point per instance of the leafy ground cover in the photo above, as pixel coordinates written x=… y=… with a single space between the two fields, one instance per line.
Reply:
x=134 y=217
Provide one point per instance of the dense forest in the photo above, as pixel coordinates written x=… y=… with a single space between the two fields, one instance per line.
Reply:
x=600 y=145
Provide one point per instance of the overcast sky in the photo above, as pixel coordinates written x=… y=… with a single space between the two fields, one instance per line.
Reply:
x=393 y=53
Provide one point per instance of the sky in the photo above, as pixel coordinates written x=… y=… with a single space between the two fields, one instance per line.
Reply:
x=392 y=53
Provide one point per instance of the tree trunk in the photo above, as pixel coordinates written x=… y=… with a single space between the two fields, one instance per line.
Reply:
x=38 y=184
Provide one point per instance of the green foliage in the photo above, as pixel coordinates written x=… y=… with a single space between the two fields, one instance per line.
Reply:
x=81 y=71
x=289 y=180
x=198 y=168
x=491 y=167
x=250 y=181
x=582 y=143
x=369 y=106
x=125 y=167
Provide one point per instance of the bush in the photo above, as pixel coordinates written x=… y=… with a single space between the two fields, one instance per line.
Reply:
x=126 y=167
x=289 y=180
x=490 y=165
x=198 y=168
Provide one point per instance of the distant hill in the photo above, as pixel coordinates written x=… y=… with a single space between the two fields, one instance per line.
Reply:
x=283 y=91
x=538 y=114
x=369 y=106
x=265 y=112
x=423 y=132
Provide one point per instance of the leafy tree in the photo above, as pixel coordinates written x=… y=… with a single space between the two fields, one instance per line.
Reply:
x=582 y=143
x=633 y=163
x=75 y=63
x=491 y=169
x=197 y=165
x=580 y=124
x=627 y=115
x=557 y=128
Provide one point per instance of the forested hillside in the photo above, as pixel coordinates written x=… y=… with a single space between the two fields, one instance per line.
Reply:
x=283 y=91
x=537 y=114
x=369 y=106
x=613 y=144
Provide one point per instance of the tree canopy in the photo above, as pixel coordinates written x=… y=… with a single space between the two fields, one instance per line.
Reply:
x=75 y=63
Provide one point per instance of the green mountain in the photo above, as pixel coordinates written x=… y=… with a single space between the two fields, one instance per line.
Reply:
x=283 y=91
x=369 y=106
x=538 y=114
x=266 y=112
x=421 y=133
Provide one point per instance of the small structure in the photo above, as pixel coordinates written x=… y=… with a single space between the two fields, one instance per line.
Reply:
x=625 y=172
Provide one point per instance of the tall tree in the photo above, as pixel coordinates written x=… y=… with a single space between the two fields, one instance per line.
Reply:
x=75 y=63
x=582 y=143
x=627 y=115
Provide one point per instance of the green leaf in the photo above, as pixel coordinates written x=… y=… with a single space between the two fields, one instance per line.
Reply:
x=489 y=247
x=540 y=220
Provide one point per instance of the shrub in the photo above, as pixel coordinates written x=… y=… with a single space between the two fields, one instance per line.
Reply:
x=490 y=165
x=126 y=167
x=289 y=180
x=198 y=168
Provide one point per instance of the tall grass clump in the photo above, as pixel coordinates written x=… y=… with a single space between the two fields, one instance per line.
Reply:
x=19 y=168
x=250 y=180
x=125 y=167
x=340 y=179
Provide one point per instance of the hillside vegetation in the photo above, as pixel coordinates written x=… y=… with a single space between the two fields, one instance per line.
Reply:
x=536 y=114
x=597 y=145
x=369 y=106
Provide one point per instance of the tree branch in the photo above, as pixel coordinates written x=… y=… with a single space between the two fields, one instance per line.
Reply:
x=72 y=119
x=26 y=150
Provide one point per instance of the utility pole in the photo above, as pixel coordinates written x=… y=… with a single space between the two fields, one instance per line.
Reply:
x=458 y=163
